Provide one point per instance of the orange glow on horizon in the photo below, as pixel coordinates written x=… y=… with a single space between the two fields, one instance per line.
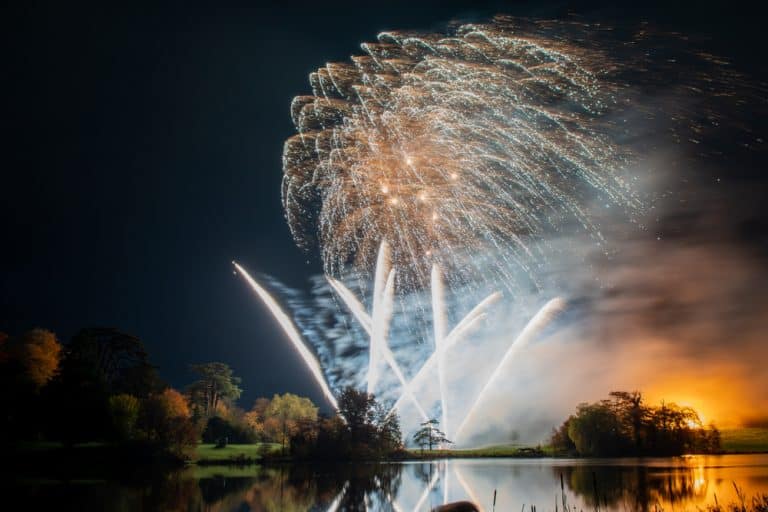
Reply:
x=714 y=402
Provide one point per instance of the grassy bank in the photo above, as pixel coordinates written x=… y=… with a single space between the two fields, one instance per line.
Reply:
x=233 y=453
x=745 y=440
x=488 y=451
x=739 y=440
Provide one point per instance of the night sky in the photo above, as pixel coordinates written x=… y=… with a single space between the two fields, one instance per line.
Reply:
x=142 y=153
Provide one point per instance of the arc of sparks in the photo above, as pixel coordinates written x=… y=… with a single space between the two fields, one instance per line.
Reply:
x=376 y=326
x=464 y=326
x=540 y=320
x=292 y=333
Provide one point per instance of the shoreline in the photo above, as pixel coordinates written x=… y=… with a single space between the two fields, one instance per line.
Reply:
x=117 y=459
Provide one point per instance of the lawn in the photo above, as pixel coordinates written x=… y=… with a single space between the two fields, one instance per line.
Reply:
x=745 y=440
x=208 y=453
x=489 y=451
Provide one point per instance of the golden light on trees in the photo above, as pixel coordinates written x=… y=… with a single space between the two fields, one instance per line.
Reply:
x=39 y=353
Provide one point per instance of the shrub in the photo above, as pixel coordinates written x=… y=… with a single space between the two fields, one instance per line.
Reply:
x=124 y=412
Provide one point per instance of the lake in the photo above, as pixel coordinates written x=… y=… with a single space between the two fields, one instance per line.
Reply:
x=678 y=483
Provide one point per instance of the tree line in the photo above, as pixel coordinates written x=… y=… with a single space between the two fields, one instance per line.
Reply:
x=101 y=386
x=361 y=428
x=624 y=425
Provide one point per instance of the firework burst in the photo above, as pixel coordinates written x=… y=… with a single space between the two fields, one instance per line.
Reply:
x=446 y=146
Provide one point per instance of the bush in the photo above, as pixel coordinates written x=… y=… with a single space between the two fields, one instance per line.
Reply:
x=124 y=411
x=165 y=421
x=218 y=429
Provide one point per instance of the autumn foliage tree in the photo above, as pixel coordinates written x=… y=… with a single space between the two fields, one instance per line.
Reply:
x=166 y=418
x=36 y=354
x=27 y=364
x=283 y=415
x=98 y=387
x=363 y=428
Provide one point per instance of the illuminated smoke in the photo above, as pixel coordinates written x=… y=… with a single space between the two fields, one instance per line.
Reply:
x=543 y=318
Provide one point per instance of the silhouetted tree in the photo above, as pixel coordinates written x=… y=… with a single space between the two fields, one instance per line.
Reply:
x=560 y=440
x=597 y=430
x=119 y=359
x=97 y=363
x=357 y=408
x=625 y=426
x=362 y=429
x=430 y=435
x=633 y=414
x=390 y=437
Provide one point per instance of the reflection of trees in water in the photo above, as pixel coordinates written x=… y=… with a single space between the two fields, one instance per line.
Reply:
x=281 y=489
x=423 y=472
x=300 y=487
x=171 y=492
x=636 y=487
x=376 y=483
x=268 y=489
x=215 y=489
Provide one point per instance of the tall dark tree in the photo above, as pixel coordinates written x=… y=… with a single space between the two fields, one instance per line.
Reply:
x=362 y=429
x=98 y=363
x=630 y=408
x=357 y=409
x=118 y=359
x=390 y=437
x=217 y=384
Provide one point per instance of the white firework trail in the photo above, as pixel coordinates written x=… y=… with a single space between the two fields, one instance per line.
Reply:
x=464 y=326
x=539 y=321
x=378 y=346
x=292 y=333
x=439 y=324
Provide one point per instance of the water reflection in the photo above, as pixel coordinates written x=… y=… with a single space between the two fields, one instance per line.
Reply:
x=675 y=483
x=637 y=488
x=302 y=488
